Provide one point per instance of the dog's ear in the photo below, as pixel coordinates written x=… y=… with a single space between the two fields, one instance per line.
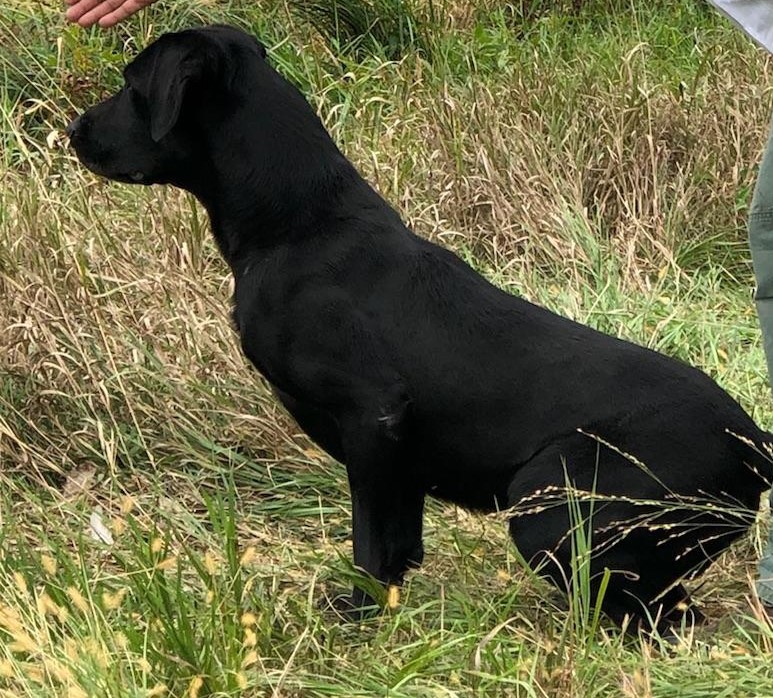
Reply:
x=172 y=74
x=168 y=70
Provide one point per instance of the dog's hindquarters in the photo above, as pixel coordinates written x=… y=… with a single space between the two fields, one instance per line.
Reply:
x=649 y=542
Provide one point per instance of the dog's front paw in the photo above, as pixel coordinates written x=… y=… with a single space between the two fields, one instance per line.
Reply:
x=352 y=608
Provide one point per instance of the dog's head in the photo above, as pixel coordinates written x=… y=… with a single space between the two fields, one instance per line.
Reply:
x=144 y=133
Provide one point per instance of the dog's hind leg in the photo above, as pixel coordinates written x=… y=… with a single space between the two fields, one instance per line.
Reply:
x=575 y=537
x=665 y=613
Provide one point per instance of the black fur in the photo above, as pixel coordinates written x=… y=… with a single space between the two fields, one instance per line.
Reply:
x=409 y=367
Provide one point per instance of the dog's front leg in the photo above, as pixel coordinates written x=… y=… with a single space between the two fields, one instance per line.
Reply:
x=387 y=499
x=334 y=362
x=386 y=525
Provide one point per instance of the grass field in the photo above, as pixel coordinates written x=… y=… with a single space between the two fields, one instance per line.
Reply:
x=594 y=156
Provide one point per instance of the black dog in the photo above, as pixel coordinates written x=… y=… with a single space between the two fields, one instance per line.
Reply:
x=414 y=371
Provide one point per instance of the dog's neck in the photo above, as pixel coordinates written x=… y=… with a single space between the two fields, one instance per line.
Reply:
x=254 y=208
x=272 y=173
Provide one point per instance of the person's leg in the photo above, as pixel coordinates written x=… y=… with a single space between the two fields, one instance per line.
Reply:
x=761 y=244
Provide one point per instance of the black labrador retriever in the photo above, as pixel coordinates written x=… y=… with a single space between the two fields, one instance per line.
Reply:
x=414 y=371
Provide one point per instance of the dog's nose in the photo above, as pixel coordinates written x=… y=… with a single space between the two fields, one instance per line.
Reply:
x=73 y=126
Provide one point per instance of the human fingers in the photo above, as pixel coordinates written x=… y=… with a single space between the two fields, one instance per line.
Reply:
x=78 y=8
x=128 y=8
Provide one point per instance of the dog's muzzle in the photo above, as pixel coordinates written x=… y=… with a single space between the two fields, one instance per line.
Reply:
x=72 y=128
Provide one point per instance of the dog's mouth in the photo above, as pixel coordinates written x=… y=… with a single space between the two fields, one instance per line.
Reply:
x=130 y=178
x=135 y=177
x=95 y=165
x=138 y=177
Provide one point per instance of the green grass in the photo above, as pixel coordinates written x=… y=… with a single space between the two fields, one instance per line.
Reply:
x=595 y=157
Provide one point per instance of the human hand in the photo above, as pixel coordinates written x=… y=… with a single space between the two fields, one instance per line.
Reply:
x=105 y=12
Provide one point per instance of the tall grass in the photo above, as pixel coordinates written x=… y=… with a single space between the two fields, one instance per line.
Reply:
x=391 y=28
x=595 y=157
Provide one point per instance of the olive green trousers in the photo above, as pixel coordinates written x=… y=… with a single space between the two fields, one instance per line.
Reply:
x=761 y=244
